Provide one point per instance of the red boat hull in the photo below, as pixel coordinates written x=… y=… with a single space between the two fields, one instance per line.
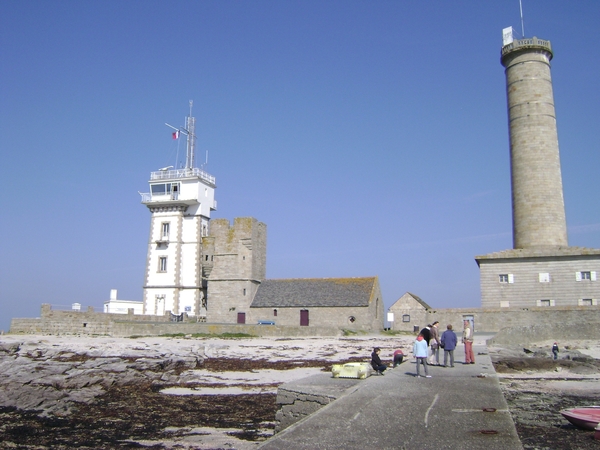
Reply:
x=586 y=417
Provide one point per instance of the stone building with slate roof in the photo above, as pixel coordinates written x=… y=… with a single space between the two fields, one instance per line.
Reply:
x=351 y=303
x=409 y=313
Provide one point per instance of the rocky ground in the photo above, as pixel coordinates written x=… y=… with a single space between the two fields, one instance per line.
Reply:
x=157 y=393
x=177 y=393
x=536 y=388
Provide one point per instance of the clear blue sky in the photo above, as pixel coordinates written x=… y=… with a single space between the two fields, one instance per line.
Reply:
x=370 y=136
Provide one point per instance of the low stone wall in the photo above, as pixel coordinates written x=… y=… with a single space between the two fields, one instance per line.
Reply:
x=301 y=398
x=56 y=322
x=561 y=332
x=493 y=320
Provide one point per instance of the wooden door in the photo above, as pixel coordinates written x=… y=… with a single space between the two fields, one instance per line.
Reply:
x=304 y=317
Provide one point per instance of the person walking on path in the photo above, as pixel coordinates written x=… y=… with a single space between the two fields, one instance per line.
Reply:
x=435 y=343
x=376 y=363
x=555 y=350
x=468 y=341
x=398 y=357
x=448 y=343
x=420 y=352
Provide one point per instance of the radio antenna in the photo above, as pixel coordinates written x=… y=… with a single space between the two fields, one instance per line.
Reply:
x=522 y=25
x=189 y=131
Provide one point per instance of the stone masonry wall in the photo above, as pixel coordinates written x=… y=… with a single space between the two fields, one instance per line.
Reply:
x=120 y=325
x=526 y=289
x=560 y=332
x=493 y=320
x=537 y=195
x=238 y=256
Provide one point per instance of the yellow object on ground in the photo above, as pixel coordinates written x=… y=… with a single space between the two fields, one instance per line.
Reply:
x=351 y=370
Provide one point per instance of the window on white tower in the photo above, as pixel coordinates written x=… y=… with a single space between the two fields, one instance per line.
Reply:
x=165 y=229
x=162 y=264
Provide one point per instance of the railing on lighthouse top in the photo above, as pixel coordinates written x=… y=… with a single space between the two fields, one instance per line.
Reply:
x=527 y=43
x=182 y=173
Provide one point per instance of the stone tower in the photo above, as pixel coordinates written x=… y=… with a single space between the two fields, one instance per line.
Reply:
x=537 y=195
x=541 y=270
x=234 y=263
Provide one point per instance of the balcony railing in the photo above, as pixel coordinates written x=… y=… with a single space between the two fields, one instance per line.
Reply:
x=525 y=43
x=182 y=173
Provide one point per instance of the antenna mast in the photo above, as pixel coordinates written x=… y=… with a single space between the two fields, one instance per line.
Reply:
x=522 y=25
x=189 y=131
x=191 y=139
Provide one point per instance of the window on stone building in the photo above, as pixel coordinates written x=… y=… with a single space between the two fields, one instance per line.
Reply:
x=504 y=304
x=275 y=312
x=585 y=275
x=545 y=302
x=544 y=277
x=165 y=229
x=351 y=319
x=506 y=278
x=244 y=291
x=162 y=264
x=406 y=318
x=586 y=301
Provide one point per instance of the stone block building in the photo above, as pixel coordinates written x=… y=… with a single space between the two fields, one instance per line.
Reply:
x=409 y=313
x=349 y=303
x=234 y=266
x=540 y=277
x=234 y=261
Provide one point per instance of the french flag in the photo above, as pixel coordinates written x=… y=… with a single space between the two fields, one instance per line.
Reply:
x=176 y=135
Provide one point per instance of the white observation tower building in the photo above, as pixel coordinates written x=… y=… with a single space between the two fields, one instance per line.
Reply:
x=180 y=201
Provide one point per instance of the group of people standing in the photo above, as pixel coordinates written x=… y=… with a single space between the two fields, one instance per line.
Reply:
x=426 y=349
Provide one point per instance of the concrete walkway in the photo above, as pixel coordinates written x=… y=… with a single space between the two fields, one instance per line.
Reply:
x=457 y=408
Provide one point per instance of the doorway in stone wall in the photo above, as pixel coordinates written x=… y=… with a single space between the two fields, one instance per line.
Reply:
x=241 y=318
x=304 y=317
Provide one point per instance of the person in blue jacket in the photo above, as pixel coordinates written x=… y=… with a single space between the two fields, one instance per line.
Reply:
x=421 y=352
x=448 y=343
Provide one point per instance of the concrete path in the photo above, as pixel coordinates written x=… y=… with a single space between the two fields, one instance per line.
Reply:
x=457 y=408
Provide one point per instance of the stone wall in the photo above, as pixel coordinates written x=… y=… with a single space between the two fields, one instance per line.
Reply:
x=493 y=320
x=356 y=318
x=537 y=196
x=238 y=257
x=560 y=332
x=55 y=322
x=351 y=318
x=299 y=399
x=524 y=288
x=90 y=322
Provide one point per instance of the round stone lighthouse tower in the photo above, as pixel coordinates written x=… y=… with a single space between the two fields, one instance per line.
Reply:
x=537 y=195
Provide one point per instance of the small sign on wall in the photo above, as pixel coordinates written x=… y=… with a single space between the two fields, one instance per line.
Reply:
x=390 y=317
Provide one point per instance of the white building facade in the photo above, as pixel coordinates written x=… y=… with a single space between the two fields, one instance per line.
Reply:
x=180 y=202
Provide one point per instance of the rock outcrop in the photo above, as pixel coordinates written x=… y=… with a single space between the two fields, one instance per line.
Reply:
x=35 y=375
